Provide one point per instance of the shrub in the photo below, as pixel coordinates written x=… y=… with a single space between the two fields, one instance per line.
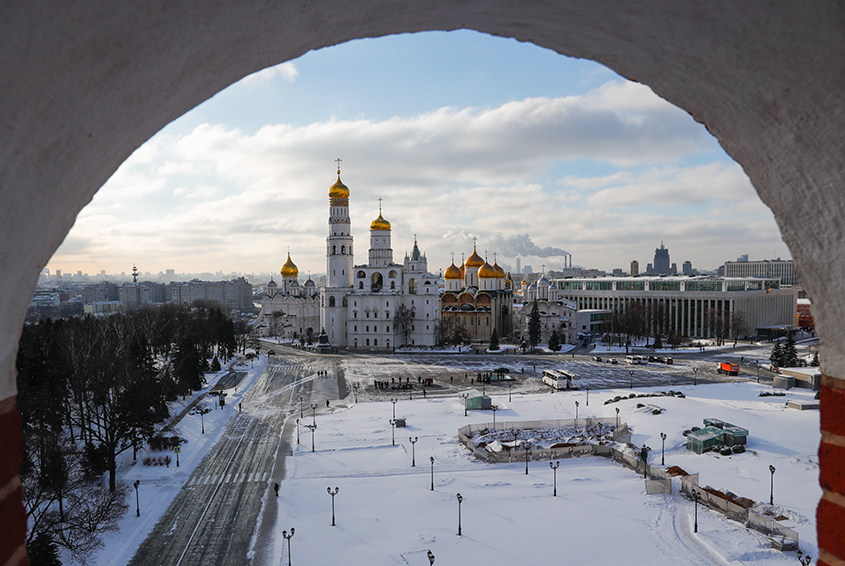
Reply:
x=656 y=411
x=687 y=432
x=726 y=451
x=640 y=405
x=738 y=449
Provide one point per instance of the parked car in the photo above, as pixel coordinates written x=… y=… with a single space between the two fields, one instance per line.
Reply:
x=612 y=361
x=271 y=352
x=652 y=358
x=596 y=358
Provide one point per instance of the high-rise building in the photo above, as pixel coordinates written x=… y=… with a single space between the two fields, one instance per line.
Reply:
x=687 y=269
x=635 y=268
x=518 y=265
x=783 y=269
x=661 y=261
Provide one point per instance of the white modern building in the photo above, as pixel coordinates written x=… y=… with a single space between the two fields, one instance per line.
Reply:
x=782 y=269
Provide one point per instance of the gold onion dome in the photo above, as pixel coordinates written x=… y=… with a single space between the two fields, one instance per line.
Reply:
x=339 y=190
x=380 y=223
x=289 y=269
x=500 y=273
x=452 y=272
x=474 y=260
x=486 y=271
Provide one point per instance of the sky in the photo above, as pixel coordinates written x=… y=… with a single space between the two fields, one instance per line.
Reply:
x=461 y=134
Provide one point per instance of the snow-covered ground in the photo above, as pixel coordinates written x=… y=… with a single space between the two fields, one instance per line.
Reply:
x=387 y=513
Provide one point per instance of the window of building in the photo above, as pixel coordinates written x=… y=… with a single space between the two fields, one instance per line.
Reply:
x=368 y=341
x=375 y=342
x=368 y=328
x=361 y=285
x=355 y=328
x=334 y=250
x=388 y=328
x=342 y=250
x=331 y=301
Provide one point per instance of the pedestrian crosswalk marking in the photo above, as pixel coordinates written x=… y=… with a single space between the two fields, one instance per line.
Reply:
x=243 y=477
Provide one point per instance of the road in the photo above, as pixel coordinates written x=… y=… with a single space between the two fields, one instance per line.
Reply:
x=212 y=520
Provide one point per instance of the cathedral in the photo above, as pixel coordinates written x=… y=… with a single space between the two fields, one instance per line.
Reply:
x=378 y=305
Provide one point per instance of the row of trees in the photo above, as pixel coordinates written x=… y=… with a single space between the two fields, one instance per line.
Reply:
x=785 y=354
x=88 y=390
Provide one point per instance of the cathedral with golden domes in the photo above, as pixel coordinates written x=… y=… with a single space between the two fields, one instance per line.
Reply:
x=477 y=298
x=379 y=305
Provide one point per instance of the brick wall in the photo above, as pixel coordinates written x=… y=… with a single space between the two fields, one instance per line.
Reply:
x=12 y=514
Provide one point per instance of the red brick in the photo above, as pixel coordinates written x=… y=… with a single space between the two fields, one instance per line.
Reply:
x=833 y=410
x=11 y=445
x=13 y=520
x=832 y=471
x=830 y=518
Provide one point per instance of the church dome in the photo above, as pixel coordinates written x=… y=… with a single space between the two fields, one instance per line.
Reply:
x=289 y=269
x=309 y=283
x=486 y=271
x=294 y=284
x=452 y=272
x=272 y=283
x=474 y=260
x=339 y=190
x=500 y=273
x=380 y=223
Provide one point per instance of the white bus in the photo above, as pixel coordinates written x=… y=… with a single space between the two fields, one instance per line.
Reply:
x=561 y=379
x=636 y=360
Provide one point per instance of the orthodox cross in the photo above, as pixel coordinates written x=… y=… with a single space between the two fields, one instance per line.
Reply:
x=379 y=207
x=338 y=160
x=474 y=238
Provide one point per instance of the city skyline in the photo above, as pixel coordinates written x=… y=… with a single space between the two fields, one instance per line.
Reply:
x=460 y=133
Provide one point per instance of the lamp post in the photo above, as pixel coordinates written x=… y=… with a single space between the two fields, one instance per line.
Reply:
x=137 y=501
x=460 y=500
x=394 y=401
x=631 y=374
x=696 y=496
x=527 y=454
x=576 y=415
x=413 y=441
x=554 y=466
x=314 y=413
x=432 y=473
x=297 y=431
x=333 y=493
x=757 y=363
x=465 y=397
x=313 y=427
x=393 y=432
x=301 y=406
x=587 y=387
x=287 y=538
x=410 y=394
x=663 y=450
x=617 y=417
x=644 y=457
x=494 y=408
x=772 y=490
x=355 y=390
x=804 y=559
x=695 y=376
x=509 y=392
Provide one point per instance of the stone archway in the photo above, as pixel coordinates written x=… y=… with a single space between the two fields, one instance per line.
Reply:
x=82 y=89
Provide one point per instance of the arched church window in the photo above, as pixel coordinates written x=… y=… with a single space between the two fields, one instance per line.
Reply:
x=342 y=250
x=334 y=250
x=361 y=275
x=393 y=285
x=392 y=273
x=412 y=286
x=361 y=285
x=331 y=301
x=375 y=342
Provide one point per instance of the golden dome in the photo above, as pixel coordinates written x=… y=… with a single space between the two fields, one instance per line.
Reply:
x=500 y=273
x=339 y=190
x=452 y=272
x=380 y=223
x=474 y=260
x=289 y=269
x=486 y=271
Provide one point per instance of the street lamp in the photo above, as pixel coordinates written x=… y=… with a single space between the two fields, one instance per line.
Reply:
x=460 y=500
x=393 y=432
x=555 y=466
x=394 y=401
x=297 y=431
x=413 y=441
x=663 y=450
x=587 y=387
x=314 y=412
x=313 y=427
x=695 y=376
x=757 y=363
x=287 y=538
x=804 y=559
x=494 y=408
x=333 y=493
x=465 y=396
x=301 y=399
x=772 y=490
x=527 y=454
x=696 y=496
x=576 y=415
x=432 y=473
x=137 y=501
x=631 y=373
x=617 y=417
x=509 y=392
x=355 y=390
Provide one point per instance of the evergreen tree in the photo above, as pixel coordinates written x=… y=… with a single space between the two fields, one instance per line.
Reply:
x=815 y=363
x=494 y=341
x=534 y=326
x=776 y=358
x=554 y=341
x=789 y=352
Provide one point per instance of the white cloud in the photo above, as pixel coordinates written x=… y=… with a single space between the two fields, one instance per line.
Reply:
x=287 y=71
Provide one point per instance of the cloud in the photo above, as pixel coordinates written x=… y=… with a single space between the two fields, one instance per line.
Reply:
x=287 y=71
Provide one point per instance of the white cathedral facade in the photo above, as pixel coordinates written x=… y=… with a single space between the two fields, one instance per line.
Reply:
x=380 y=304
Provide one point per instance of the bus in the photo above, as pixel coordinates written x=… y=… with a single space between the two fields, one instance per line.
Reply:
x=561 y=379
x=636 y=360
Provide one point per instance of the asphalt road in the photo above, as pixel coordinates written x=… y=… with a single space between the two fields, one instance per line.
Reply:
x=213 y=518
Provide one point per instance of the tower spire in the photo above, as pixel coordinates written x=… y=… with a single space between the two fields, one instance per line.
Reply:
x=338 y=160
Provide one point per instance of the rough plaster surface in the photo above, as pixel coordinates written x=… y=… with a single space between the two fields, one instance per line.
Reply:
x=84 y=84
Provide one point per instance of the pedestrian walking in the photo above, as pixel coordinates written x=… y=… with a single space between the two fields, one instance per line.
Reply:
x=240 y=407
x=276 y=489
x=327 y=403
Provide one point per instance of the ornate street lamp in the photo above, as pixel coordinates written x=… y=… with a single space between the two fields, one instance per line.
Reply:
x=393 y=432
x=287 y=538
x=413 y=441
x=695 y=376
x=494 y=408
x=297 y=431
x=394 y=401
x=465 y=396
x=527 y=454
x=772 y=490
x=432 y=473
x=333 y=493
x=576 y=415
x=137 y=501
x=663 y=450
x=617 y=417
x=313 y=427
x=314 y=413
x=631 y=374
x=554 y=466
x=587 y=387
x=460 y=500
x=696 y=496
